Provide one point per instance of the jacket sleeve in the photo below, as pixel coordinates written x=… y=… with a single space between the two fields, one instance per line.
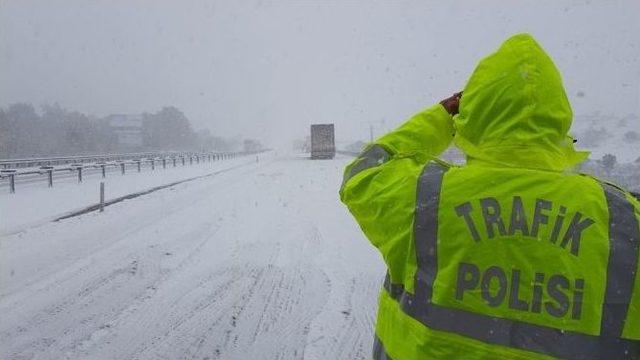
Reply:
x=379 y=186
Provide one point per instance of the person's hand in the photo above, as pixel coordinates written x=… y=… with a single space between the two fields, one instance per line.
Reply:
x=452 y=103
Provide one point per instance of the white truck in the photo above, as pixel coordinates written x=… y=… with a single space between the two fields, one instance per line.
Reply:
x=322 y=141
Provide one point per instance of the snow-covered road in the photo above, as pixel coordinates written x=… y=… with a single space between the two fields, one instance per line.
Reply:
x=259 y=262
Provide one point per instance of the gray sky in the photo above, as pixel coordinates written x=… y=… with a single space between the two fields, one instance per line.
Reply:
x=268 y=69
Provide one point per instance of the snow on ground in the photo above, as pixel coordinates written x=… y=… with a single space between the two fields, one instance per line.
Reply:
x=259 y=262
x=35 y=203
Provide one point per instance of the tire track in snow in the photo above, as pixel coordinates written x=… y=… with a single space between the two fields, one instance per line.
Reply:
x=109 y=235
x=243 y=267
x=262 y=306
x=140 y=271
x=59 y=310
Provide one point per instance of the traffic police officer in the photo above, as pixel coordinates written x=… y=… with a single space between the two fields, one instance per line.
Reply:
x=512 y=256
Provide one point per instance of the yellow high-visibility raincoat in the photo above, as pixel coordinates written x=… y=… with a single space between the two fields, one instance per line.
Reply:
x=512 y=256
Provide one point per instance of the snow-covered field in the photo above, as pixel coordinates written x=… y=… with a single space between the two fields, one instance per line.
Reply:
x=34 y=203
x=257 y=262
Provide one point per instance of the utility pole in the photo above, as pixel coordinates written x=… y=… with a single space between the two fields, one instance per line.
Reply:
x=101 y=196
x=380 y=125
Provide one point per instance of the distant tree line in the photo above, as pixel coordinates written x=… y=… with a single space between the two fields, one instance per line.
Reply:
x=55 y=131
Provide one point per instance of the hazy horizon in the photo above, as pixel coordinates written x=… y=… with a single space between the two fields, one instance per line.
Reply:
x=269 y=69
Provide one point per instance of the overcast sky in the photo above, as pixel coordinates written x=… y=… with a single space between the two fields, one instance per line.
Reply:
x=270 y=68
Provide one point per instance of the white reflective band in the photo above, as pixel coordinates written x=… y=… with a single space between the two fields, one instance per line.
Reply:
x=624 y=246
x=624 y=240
x=379 y=353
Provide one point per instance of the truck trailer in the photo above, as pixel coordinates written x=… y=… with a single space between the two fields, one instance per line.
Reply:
x=322 y=141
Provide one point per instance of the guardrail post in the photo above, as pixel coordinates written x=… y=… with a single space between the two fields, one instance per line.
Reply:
x=79 y=174
x=101 y=196
x=12 y=183
x=122 y=168
x=104 y=173
x=138 y=164
x=50 y=175
x=153 y=164
x=164 y=163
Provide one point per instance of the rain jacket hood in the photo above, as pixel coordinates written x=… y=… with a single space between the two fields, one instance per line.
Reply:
x=564 y=264
x=514 y=110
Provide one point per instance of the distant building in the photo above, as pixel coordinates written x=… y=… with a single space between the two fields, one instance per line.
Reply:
x=250 y=145
x=128 y=129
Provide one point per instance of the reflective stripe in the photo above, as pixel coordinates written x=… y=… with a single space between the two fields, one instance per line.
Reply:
x=623 y=259
x=394 y=290
x=425 y=228
x=373 y=156
x=379 y=353
x=512 y=333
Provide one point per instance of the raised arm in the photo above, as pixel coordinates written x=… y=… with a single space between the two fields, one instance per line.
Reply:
x=425 y=135
x=379 y=186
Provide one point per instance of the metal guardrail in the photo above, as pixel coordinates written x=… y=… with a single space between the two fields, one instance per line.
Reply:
x=117 y=163
x=62 y=160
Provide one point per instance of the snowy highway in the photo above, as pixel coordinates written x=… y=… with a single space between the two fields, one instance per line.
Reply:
x=260 y=261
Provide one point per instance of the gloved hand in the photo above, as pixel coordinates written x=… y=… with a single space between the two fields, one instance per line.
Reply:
x=452 y=103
